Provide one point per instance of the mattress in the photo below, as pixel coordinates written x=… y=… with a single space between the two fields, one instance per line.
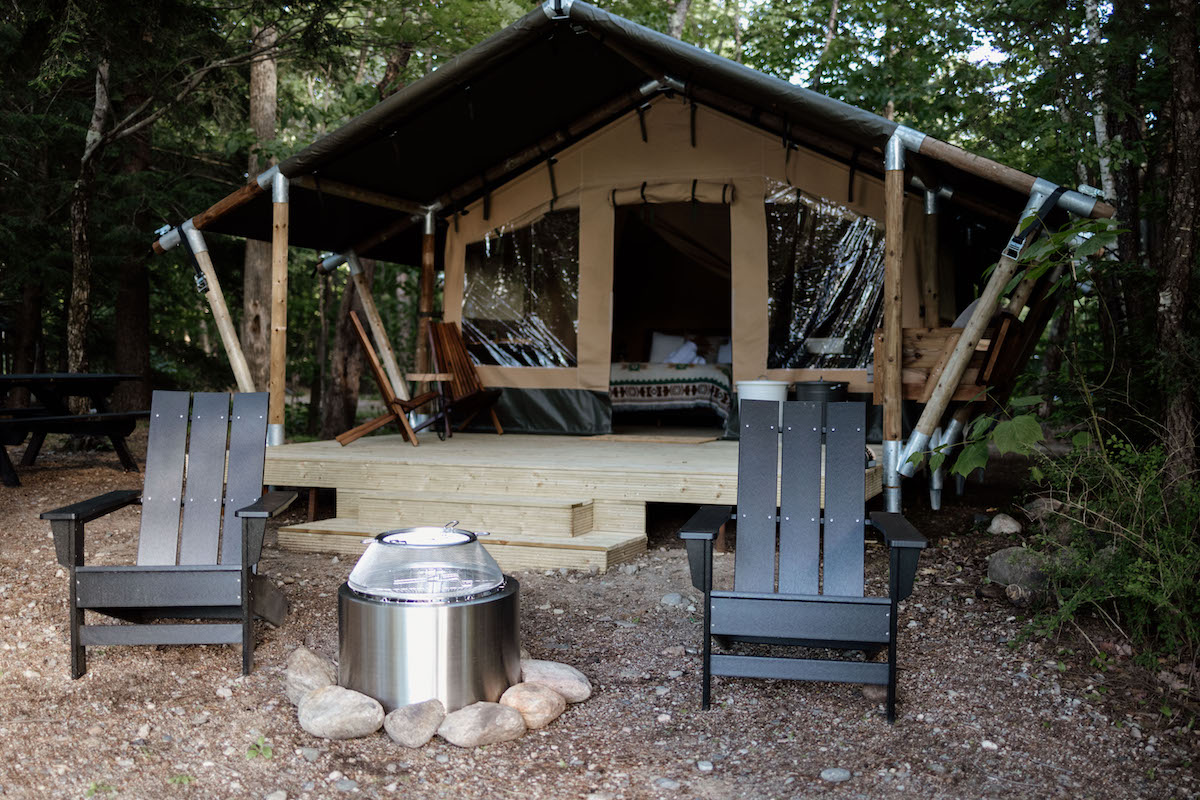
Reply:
x=635 y=386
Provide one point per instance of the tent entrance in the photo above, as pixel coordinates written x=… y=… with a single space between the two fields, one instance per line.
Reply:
x=672 y=301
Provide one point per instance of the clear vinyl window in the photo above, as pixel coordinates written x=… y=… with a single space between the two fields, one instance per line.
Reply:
x=521 y=298
x=825 y=282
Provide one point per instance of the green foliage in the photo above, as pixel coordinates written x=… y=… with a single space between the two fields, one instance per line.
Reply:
x=1126 y=542
x=260 y=748
x=180 y=780
x=98 y=788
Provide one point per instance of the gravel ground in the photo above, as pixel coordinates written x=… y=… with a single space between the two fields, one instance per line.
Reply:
x=982 y=713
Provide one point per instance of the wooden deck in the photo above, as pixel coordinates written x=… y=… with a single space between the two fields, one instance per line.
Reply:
x=547 y=501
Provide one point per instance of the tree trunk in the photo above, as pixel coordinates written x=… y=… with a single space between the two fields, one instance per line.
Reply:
x=340 y=402
x=256 y=273
x=394 y=71
x=1099 y=107
x=830 y=34
x=678 y=18
x=131 y=345
x=79 y=310
x=321 y=356
x=1180 y=246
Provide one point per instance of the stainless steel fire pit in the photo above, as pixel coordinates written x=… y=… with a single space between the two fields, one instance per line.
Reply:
x=427 y=613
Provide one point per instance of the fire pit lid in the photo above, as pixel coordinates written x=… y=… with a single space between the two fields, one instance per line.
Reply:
x=426 y=564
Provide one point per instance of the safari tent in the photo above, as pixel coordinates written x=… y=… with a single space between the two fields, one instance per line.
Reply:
x=598 y=196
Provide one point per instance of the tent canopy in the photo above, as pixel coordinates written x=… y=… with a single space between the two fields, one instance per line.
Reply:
x=560 y=73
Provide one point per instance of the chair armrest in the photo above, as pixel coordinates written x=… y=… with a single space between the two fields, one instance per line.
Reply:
x=897 y=531
x=427 y=377
x=88 y=510
x=267 y=506
x=706 y=522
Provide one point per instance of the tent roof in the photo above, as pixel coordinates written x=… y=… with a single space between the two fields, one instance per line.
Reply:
x=562 y=71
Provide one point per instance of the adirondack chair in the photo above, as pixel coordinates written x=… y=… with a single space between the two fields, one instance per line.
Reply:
x=807 y=603
x=210 y=573
x=464 y=394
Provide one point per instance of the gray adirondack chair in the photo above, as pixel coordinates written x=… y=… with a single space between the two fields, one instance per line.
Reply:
x=200 y=568
x=784 y=593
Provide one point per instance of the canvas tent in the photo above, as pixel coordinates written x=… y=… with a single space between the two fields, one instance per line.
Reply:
x=522 y=168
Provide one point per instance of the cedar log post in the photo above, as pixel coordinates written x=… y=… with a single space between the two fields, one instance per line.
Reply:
x=425 y=304
x=279 y=288
x=929 y=262
x=375 y=323
x=889 y=361
x=220 y=312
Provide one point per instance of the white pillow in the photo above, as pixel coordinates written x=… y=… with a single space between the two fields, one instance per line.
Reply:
x=662 y=345
x=725 y=353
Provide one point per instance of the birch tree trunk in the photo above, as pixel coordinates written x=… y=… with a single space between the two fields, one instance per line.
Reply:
x=1099 y=107
x=678 y=18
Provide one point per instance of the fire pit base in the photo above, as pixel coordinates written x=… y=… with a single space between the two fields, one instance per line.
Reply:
x=458 y=652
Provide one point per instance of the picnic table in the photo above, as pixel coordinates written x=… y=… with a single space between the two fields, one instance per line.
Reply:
x=51 y=413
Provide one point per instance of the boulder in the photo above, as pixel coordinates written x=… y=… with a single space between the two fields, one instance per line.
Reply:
x=306 y=672
x=482 y=723
x=539 y=704
x=415 y=724
x=572 y=684
x=1017 y=565
x=1003 y=523
x=337 y=713
x=1039 y=509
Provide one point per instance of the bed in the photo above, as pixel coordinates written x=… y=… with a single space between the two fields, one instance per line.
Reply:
x=642 y=386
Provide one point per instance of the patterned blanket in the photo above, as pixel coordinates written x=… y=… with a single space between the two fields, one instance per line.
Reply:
x=670 y=387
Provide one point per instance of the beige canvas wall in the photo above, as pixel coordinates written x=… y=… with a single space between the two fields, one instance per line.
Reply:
x=616 y=158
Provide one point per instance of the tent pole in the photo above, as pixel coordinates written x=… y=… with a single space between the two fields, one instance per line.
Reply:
x=890 y=359
x=956 y=365
x=220 y=312
x=425 y=303
x=929 y=262
x=375 y=322
x=279 y=287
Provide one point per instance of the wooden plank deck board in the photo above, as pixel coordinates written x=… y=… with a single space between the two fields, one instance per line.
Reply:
x=527 y=466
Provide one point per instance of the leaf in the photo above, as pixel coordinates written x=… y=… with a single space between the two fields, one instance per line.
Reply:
x=916 y=458
x=1023 y=402
x=1081 y=440
x=1029 y=431
x=936 y=460
x=1036 y=474
x=1005 y=437
x=974 y=456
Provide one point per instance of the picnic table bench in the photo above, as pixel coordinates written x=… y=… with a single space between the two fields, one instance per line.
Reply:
x=52 y=414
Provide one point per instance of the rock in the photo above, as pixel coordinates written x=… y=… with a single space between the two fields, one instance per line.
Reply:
x=306 y=671
x=674 y=599
x=875 y=693
x=572 y=684
x=538 y=703
x=677 y=651
x=224 y=692
x=629 y=569
x=987 y=744
x=336 y=713
x=704 y=766
x=1040 y=508
x=278 y=794
x=835 y=775
x=1017 y=565
x=310 y=754
x=666 y=783
x=1003 y=523
x=346 y=785
x=1020 y=596
x=415 y=724
x=482 y=723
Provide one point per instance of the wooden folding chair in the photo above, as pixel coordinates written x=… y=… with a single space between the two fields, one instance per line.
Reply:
x=396 y=409
x=464 y=394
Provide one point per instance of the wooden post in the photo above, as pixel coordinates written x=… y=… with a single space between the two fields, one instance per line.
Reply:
x=889 y=361
x=279 y=288
x=929 y=262
x=425 y=304
x=220 y=311
x=375 y=322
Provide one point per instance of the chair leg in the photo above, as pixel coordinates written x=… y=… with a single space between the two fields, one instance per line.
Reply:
x=78 y=654
x=496 y=422
x=247 y=620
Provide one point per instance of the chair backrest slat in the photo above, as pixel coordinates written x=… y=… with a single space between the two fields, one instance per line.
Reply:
x=800 y=500
x=845 y=446
x=205 y=485
x=163 y=486
x=247 y=452
x=381 y=378
x=758 y=472
x=452 y=356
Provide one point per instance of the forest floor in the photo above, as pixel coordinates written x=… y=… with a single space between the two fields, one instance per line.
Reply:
x=983 y=711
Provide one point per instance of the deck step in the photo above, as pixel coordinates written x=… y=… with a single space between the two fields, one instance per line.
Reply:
x=537 y=516
x=602 y=549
